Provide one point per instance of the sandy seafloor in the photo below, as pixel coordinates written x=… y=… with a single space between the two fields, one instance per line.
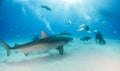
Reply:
x=79 y=56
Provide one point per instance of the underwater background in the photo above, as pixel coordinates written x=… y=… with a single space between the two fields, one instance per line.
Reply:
x=22 y=19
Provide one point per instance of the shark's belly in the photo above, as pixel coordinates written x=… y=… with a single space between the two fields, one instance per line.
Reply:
x=39 y=48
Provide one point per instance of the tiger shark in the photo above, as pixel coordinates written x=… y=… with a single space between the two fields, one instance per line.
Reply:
x=45 y=43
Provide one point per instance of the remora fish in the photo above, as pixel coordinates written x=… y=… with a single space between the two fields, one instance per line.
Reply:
x=44 y=44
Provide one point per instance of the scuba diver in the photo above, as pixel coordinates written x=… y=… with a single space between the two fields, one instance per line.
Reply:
x=99 y=37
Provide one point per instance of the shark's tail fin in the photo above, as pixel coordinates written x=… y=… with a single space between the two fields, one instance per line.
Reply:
x=6 y=46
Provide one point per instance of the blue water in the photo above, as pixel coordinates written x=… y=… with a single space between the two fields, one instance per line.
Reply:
x=22 y=19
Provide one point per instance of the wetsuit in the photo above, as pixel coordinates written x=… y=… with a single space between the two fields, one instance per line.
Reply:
x=99 y=38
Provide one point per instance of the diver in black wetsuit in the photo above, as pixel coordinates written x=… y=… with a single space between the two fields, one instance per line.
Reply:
x=99 y=37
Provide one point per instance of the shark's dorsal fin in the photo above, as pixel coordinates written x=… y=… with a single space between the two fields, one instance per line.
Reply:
x=44 y=34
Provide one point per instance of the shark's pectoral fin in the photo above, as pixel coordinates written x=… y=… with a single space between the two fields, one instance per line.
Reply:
x=26 y=54
x=60 y=49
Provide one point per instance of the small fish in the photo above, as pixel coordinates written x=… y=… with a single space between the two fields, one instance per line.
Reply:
x=69 y=22
x=46 y=7
x=80 y=29
x=82 y=25
x=96 y=31
x=89 y=31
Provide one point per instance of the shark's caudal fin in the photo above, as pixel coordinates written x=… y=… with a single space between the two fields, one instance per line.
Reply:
x=6 y=46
